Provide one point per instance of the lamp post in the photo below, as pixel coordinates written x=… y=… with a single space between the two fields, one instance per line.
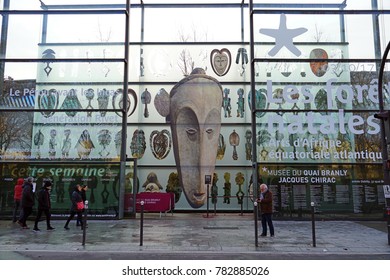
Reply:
x=85 y=221
x=3 y=42
x=207 y=179
x=384 y=117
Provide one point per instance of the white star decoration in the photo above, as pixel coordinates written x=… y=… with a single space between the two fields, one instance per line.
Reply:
x=283 y=37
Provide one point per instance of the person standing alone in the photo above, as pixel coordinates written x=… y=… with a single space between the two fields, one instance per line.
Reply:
x=44 y=206
x=266 y=210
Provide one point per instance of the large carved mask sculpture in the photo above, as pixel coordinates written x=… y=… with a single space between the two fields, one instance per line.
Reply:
x=195 y=112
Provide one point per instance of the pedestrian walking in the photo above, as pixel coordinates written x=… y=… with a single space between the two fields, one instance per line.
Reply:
x=44 y=206
x=27 y=202
x=75 y=209
x=18 y=190
x=266 y=210
x=83 y=194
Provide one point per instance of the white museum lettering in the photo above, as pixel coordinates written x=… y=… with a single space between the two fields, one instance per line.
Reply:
x=332 y=89
x=308 y=175
x=24 y=92
x=320 y=155
x=312 y=142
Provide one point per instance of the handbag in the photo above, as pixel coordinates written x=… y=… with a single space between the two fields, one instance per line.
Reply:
x=80 y=205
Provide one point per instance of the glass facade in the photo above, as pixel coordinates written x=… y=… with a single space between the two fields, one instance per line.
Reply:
x=310 y=70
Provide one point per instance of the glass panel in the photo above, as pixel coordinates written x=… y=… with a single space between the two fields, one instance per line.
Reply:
x=60 y=137
x=86 y=28
x=25 y=31
x=28 y=4
x=384 y=21
x=319 y=137
x=230 y=190
x=335 y=189
x=326 y=29
x=19 y=72
x=309 y=3
x=319 y=86
x=85 y=71
x=24 y=34
x=309 y=29
x=102 y=181
x=184 y=25
x=130 y=184
x=172 y=62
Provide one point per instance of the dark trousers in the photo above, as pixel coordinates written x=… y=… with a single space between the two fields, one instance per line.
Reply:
x=26 y=213
x=39 y=215
x=79 y=217
x=266 y=218
x=16 y=209
x=21 y=214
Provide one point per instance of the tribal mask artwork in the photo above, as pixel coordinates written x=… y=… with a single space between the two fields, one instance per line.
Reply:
x=152 y=184
x=221 y=61
x=131 y=104
x=161 y=102
x=138 y=144
x=71 y=102
x=48 y=54
x=84 y=145
x=48 y=100
x=319 y=68
x=160 y=143
x=195 y=114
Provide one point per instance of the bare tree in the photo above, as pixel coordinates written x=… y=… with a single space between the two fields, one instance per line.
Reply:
x=15 y=127
x=186 y=62
x=318 y=34
x=103 y=38
x=15 y=131
x=364 y=142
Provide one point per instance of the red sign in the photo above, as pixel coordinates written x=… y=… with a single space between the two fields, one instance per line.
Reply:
x=155 y=202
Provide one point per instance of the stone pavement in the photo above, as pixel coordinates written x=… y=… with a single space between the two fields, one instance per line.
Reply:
x=194 y=236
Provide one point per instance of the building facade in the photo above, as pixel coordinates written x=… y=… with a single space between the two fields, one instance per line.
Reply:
x=299 y=90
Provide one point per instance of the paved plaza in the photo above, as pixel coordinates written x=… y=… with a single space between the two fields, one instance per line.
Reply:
x=196 y=236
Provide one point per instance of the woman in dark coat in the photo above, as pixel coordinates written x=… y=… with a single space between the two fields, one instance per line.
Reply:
x=76 y=197
x=83 y=194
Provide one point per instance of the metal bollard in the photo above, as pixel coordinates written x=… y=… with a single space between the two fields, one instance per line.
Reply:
x=85 y=221
x=208 y=195
x=141 y=235
x=313 y=227
x=388 y=225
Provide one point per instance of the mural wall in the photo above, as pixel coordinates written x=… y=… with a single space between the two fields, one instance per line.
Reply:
x=316 y=137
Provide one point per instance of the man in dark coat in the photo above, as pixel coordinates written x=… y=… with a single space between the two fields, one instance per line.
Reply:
x=27 y=202
x=44 y=205
x=266 y=210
